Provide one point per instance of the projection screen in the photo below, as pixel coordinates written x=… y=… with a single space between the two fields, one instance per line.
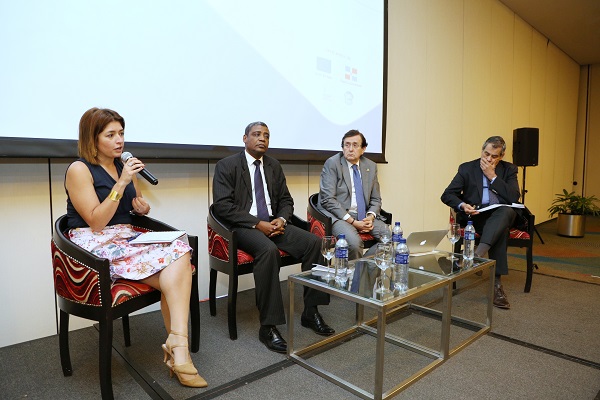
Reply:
x=188 y=76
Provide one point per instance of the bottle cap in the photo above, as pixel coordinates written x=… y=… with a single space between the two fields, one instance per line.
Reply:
x=402 y=240
x=342 y=236
x=469 y=222
x=397 y=223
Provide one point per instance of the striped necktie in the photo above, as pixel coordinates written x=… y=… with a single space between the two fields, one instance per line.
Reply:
x=492 y=198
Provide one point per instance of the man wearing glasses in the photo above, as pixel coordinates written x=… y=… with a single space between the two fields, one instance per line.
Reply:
x=479 y=183
x=349 y=193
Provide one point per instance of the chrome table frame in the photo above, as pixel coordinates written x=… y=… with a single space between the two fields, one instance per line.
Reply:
x=376 y=326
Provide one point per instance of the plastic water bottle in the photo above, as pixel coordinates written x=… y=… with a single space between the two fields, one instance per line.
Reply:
x=469 y=250
x=400 y=272
x=396 y=234
x=341 y=259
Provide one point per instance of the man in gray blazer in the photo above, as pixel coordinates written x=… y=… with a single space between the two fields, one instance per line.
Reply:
x=250 y=195
x=479 y=183
x=344 y=175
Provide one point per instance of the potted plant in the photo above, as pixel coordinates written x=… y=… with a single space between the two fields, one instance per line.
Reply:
x=572 y=209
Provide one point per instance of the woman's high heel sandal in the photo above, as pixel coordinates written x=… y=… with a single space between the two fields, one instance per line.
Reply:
x=195 y=381
x=186 y=368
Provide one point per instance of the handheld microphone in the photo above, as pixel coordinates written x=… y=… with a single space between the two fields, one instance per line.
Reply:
x=144 y=172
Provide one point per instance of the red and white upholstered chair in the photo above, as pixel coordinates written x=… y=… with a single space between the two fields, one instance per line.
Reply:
x=84 y=288
x=320 y=224
x=518 y=237
x=227 y=258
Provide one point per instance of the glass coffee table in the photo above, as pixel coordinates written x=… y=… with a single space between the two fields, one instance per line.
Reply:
x=427 y=273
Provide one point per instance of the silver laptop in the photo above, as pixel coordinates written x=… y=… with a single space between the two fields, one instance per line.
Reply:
x=424 y=242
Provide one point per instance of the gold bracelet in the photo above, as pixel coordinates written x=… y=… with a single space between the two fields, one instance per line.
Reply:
x=115 y=196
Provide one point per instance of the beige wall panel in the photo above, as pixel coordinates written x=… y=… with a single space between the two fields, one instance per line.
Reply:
x=407 y=80
x=27 y=294
x=444 y=91
x=581 y=129
x=521 y=78
x=549 y=154
x=564 y=149
x=502 y=56
x=314 y=171
x=539 y=46
x=592 y=177
x=297 y=177
x=580 y=135
x=534 y=186
x=566 y=119
x=477 y=95
x=521 y=85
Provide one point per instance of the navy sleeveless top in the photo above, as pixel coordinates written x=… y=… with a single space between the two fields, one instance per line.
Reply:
x=103 y=184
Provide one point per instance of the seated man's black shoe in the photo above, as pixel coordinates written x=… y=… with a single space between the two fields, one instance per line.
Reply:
x=316 y=323
x=500 y=299
x=271 y=338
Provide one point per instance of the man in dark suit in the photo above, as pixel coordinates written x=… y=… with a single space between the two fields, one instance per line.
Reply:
x=250 y=195
x=351 y=214
x=481 y=182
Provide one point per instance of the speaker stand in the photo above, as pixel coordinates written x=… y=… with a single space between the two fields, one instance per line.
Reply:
x=523 y=191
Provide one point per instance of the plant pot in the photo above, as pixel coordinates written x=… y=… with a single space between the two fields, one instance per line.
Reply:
x=571 y=225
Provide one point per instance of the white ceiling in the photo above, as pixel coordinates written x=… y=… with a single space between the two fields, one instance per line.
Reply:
x=572 y=25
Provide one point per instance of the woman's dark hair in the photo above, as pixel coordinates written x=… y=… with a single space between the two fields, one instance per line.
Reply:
x=92 y=123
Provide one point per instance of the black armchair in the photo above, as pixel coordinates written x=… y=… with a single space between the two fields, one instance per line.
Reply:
x=226 y=257
x=520 y=235
x=84 y=288
x=320 y=224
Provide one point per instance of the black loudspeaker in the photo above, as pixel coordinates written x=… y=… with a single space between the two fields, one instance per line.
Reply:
x=525 y=146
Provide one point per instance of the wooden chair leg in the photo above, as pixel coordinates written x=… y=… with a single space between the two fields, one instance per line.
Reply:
x=195 y=314
x=105 y=358
x=212 y=292
x=126 y=334
x=232 y=306
x=63 y=344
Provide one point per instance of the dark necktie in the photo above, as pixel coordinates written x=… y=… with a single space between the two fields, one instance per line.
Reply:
x=361 y=208
x=259 y=191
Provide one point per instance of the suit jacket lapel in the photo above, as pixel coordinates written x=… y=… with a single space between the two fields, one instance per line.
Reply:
x=500 y=170
x=346 y=173
x=246 y=173
x=268 y=176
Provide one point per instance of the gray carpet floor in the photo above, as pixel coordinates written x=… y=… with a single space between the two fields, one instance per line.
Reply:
x=546 y=347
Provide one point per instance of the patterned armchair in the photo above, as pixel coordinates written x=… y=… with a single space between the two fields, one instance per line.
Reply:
x=520 y=235
x=320 y=224
x=84 y=288
x=222 y=244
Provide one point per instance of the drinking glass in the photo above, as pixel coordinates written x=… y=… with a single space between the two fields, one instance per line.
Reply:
x=453 y=236
x=328 y=251
x=383 y=259
x=386 y=235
